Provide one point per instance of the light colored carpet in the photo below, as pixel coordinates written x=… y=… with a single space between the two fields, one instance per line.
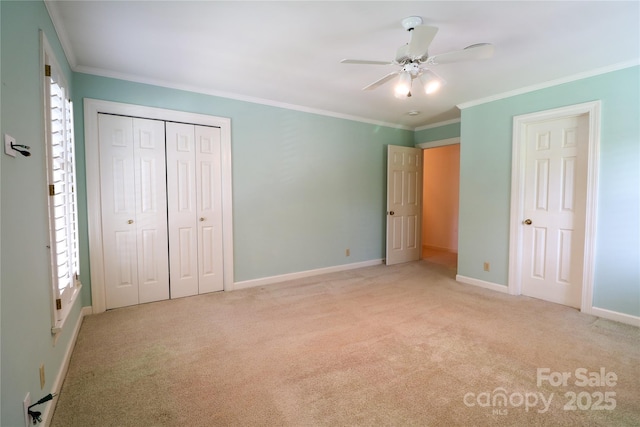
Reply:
x=384 y=345
x=440 y=256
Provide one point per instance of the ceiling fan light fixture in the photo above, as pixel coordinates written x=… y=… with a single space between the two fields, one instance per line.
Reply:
x=403 y=87
x=415 y=60
x=432 y=86
x=431 y=82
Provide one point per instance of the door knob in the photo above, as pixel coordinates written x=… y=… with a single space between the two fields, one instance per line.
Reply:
x=202 y=219
x=392 y=213
x=527 y=221
x=130 y=221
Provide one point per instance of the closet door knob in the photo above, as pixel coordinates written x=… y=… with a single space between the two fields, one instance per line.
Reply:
x=130 y=221
x=202 y=219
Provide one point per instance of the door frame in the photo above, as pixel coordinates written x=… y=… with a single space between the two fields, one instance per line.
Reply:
x=435 y=144
x=520 y=123
x=92 y=107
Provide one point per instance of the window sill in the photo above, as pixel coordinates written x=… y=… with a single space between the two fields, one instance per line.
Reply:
x=59 y=324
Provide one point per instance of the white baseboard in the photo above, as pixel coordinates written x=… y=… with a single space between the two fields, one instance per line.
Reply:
x=47 y=414
x=301 y=274
x=595 y=311
x=482 y=284
x=617 y=316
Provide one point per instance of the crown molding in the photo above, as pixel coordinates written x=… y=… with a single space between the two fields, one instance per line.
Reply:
x=437 y=125
x=229 y=95
x=551 y=83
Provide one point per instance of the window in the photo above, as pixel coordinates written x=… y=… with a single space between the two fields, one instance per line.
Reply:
x=61 y=174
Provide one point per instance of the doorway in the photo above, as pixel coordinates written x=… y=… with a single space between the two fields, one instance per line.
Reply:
x=440 y=204
x=553 y=204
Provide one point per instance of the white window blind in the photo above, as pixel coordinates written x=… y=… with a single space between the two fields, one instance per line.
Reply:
x=63 y=216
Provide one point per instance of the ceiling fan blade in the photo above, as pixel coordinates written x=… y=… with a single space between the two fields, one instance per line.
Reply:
x=381 y=81
x=365 y=62
x=421 y=38
x=475 y=51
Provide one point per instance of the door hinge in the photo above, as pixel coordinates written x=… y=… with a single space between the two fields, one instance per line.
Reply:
x=58 y=304
x=52 y=190
x=47 y=70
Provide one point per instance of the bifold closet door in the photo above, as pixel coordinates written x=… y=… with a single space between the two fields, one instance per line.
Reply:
x=134 y=219
x=195 y=209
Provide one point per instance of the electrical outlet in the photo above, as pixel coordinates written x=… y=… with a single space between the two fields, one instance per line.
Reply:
x=487 y=266
x=42 y=376
x=347 y=252
x=8 y=150
x=25 y=409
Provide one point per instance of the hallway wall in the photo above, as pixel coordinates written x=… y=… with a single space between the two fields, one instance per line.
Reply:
x=440 y=197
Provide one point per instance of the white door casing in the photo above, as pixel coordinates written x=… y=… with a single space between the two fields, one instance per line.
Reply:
x=132 y=168
x=195 y=209
x=553 y=204
x=92 y=108
x=404 y=194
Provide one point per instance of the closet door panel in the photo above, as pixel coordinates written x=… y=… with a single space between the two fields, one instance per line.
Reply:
x=118 y=210
x=151 y=210
x=182 y=208
x=209 y=206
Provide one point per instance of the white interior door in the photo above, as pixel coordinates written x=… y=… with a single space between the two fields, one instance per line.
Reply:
x=195 y=209
x=404 y=194
x=209 y=206
x=133 y=188
x=151 y=209
x=181 y=194
x=554 y=209
x=118 y=211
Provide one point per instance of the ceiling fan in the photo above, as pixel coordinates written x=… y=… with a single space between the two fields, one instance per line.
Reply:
x=415 y=60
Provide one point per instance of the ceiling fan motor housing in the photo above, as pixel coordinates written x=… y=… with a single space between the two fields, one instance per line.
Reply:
x=412 y=68
x=403 y=57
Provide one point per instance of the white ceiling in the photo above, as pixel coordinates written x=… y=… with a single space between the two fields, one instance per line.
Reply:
x=288 y=53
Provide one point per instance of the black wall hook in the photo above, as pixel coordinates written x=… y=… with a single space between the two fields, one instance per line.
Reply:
x=24 y=150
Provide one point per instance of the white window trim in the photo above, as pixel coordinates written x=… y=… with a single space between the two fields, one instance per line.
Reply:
x=58 y=317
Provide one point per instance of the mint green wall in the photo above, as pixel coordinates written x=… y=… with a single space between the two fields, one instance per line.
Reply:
x=305 y=186
x=451 y=130
x=26 y=339
x=485 y=175
x=1 y=80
